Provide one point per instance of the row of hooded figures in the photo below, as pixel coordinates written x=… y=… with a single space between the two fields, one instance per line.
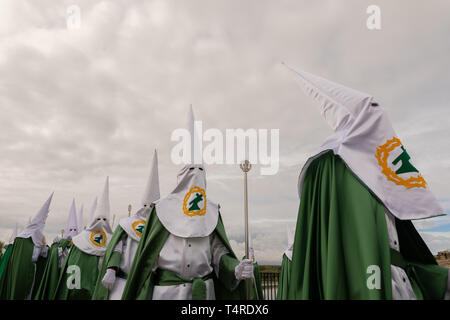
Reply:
x=354 y=237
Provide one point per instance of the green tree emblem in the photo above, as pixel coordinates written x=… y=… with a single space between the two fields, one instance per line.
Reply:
x=406 y=165
x=140 y=228
x=98 y=238
x=194 y=203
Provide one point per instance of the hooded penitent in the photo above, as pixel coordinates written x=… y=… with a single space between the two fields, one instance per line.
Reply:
x=94 y=239
x=72 y=228
x=135 y=224
x=23 y=269
x=89 y=246
x=187 y=212
x=122 y=248
x=364 y=138
x=35 y=228
x=184 y=245
x=358 y=194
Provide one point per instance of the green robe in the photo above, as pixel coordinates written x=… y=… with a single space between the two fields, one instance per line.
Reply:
x=47 y=286
x=5 y=258
x=111 y=259
x=40 y=267
x=283 y=281
x=341 y=232
x=141 y=279
x=88 y=267
x=19 y=271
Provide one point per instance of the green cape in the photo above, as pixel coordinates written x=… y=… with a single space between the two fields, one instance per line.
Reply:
x=47 y=286
x=5 y=258
x=40 y=267
x=283 y=281
x=18 y=274
x=88 y=266
x=110 y=259
x=341 y=231
x=141 y=279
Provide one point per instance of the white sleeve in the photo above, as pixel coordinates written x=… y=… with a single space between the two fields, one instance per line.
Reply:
x=119 y=247
x=218 y=249
x=36 y=253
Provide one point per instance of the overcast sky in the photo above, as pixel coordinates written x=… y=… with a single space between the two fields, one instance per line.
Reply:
x=80 y=104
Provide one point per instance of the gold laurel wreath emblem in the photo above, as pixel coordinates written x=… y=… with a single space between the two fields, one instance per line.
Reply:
x=135 y=224
x=382 y=157
x=93 y=234
x=192 y=213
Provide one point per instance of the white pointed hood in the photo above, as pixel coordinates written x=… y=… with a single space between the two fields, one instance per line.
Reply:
x=94 y=239
x=187 y=212
x=365 y=139
x=72 y=228
x=80 y=219
x=35 y=228
x=134 y=225
x=93 y=209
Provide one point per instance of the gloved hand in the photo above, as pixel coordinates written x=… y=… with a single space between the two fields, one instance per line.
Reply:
x=44 y=251
x=109 y=278
x=244 y=270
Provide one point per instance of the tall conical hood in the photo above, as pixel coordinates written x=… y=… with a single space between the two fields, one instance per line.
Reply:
x=151 y=193
x=134 y=225
x=339 y=105
x=365 y=139
x=80 y=219
x=186 y=212
x=196 y=142
x=72 y=223
x=93 y=209
x=94 y=238
x=101 y=216
x=35 y=228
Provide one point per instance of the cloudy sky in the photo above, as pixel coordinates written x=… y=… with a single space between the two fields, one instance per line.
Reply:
x=80 y=104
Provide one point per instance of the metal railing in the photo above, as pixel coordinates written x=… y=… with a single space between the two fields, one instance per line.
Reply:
x=269 y=284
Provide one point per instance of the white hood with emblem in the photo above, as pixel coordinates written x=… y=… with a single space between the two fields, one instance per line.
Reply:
x=187 y=212
x=364 y=138
x=133 y=225
x=94 y=239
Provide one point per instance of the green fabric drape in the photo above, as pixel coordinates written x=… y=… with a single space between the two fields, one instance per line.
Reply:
x=341 y=232
x=88 y=267
x=40 y=267
x=141 y=279
x=5 y=258
x=19 y=271
x=47 y=286
x=100 y=292
x=283 y=281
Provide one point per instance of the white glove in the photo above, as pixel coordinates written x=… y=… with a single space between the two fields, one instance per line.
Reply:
x=244 y=270
x=109 y=278
x=44 y=251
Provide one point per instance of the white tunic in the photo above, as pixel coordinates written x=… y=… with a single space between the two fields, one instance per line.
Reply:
x=401 y=286
x=189 y=258
x=127 y=248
